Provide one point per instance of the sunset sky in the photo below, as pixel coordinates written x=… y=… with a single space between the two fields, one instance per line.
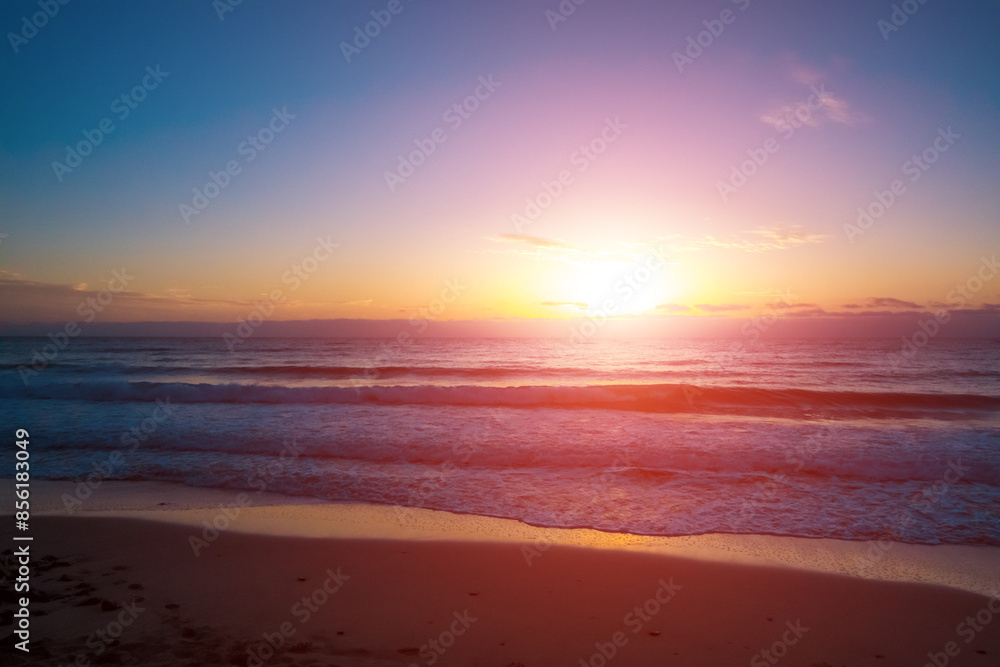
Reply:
x=636 y=144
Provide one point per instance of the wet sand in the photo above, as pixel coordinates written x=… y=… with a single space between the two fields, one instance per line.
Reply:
x=326 y=584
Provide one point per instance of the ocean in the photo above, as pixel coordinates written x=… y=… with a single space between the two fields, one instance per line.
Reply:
x=838 y=439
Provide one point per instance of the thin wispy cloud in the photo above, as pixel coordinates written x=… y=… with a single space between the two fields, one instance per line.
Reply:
x=766 y=238
x=721 y=307
x=528 y=239
x=554 y=250
x=673 y=308
x=760 y=239
x=21 y=295
x=817 y=109
x=815 y=105
x=883 y=302
x=575 y=304
x=16 y=287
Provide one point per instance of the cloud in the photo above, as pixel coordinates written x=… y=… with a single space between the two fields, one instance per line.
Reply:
x=765 y=238
x=983 y=309
x=810 y=312
x=840 y=314
x=760 y=239
x=554 y=250
x=819 y=107
x=889 y=302
x=575 y=304
x=788 y=235
x=673 y=307
x=883 y=302
x=30 y=300
x=838 y=110
x=528 y=239
x=805 y=74
x=721 y=308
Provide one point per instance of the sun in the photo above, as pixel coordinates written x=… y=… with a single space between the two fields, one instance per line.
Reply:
x=613 y=288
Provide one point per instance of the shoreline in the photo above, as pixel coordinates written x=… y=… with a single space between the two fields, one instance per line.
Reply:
x=970 y=568
x=316 y=583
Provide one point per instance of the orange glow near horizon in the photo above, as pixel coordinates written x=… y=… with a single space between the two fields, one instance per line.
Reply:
x=635 y=171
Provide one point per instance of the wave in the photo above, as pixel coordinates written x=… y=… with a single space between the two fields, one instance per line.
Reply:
x=337 y=372
x=657 y=453
x=645 y=397
x=976 y=373
x=396 y=371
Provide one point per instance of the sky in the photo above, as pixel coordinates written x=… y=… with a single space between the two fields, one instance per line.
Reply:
x=664 y=165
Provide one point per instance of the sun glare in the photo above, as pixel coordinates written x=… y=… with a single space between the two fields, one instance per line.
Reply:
x=613 y=288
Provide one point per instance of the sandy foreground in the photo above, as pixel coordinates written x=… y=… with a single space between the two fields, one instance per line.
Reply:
x=157 y=574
